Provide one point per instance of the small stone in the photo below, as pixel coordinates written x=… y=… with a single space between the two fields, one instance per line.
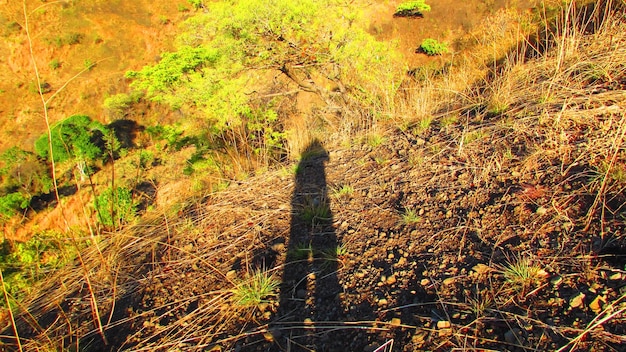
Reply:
x=382 y=302
x=278 y=247
x=556 y=281
x=231 y=274
x=481 y=268
x=443 y=324
x=514 y=336
x=577 y=300
x=360 y=274
x=425 y=282
x=391 y=280
x=615 y=277
x=541 y=211
x=268 y=337
x=596 y=304
x=449 y=281
x=390 y=256
x=396 y=322
x=401 y=262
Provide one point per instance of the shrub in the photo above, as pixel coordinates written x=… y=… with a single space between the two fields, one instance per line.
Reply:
x=11 y=204
x=119 y=103
x=114 y=208
x=23 y=171
x=433 y=47
x=75 y=137
x=412 y=9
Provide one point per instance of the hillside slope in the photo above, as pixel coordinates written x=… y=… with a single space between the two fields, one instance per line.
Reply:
x=498 y=224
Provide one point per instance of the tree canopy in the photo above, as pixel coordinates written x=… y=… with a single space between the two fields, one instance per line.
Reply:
x=229 y=50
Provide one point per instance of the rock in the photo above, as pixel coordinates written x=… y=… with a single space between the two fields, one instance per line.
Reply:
x=278 y=247
x=514 y=337
x=481 y=268
x=391 y=280
x=449 y=281
x=425 y=282
x=596 y=304
x=443 y=324
x=577 y=300
x=382 y=302
x=556 y=281
x=231 y=274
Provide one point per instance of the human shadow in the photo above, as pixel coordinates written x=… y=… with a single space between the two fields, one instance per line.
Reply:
x=309 y=293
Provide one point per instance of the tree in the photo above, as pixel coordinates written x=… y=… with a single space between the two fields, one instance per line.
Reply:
x=227 y=54
x=75 y=137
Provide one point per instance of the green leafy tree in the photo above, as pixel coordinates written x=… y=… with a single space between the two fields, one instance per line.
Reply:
x=227 y=54
x=75 y=137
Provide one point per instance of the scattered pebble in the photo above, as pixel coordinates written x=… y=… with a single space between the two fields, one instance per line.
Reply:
x=577 y=300
x=443 y=324
x=596 y=304
x=449 y=281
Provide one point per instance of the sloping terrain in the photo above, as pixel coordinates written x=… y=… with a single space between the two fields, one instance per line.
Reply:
x=498 y=224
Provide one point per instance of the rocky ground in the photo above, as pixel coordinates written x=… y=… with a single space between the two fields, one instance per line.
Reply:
x=437 y=247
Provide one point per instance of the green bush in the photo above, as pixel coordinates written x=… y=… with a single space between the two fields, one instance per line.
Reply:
x=117 y=104
x=432 y=47
x=75 y=137
x=23 y=263
x=11 y=204
x=115 y=207
x=412 y=9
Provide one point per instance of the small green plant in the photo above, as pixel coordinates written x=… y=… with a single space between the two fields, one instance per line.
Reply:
x=424 y=124
x=197 y=4
x=301 y=251
x=315 y=210
x=54 y=64
x=343 y=191
x=256 y=288
x=473 y=136
x=449 y=120
x=411 y=216
x=522 y=273
x=115 y=207
x=412 y=9
x=374 y=140
x=433 y=47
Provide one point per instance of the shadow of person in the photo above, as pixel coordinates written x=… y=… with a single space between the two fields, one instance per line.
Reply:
x=309 y=293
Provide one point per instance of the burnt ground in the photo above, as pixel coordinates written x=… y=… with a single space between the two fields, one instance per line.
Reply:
x=435 y=246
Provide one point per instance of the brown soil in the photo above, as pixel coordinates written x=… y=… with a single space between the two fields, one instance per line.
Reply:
x=115 y=35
